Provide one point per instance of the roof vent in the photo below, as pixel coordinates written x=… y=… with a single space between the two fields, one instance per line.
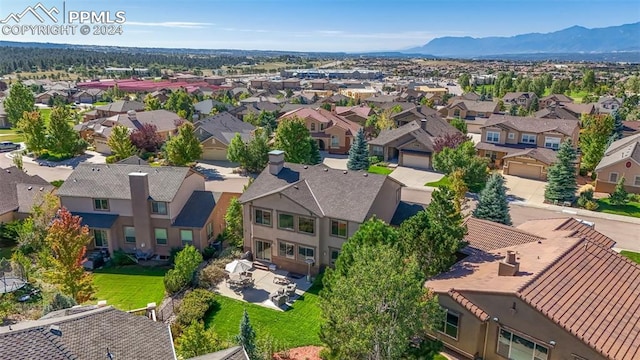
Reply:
x=295 y=187
x=365 y=174
x=41 y=188
x=55 y=330
x=305 y=167
x=98 y=169
x=93 y=169
x=29 y=188
x=344 y=172
x=75 y=180
x=325 y=169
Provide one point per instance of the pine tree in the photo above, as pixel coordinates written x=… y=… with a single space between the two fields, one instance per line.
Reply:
x=359 y=153
x=618 y=126
x=561 y=176
x=492 y=202
x=247 y=337
x=314 y=152
x=619 y=196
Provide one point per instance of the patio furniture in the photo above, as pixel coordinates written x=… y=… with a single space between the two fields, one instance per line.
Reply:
x=281 y=280
x=144 y=255
x=290 y=289
x=279 y=297
x=238 y=266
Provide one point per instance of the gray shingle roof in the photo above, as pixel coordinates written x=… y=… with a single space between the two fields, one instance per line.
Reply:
x=478 y=106
x=234 y=353
x=222 y=127
x=87 y=335
x=547 y=156
x=164 y=120
x=404 y=211
x=122 y=106
x=133 y=160
x=112 y=181
x=318 y=188
x=413 y=128
x=533 y=125
x=197 y=210
x=621 y=150
x=97 y=221
x=14 y=190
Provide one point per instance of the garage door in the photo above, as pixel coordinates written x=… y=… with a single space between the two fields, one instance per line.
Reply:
x=214 y=154
x=525 y=171
x=415 y=161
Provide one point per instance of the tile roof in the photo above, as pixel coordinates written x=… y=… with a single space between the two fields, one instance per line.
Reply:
x=222 y=127
x=346 y=195
x=87 y=335
x=544 y=155
x=15 y=194
x=111 y=181
x=467 y=304
x=487 y=235
x=122 y=106
x=621 y=150
x=533 y=125
x=196 y=211
x=546 y=227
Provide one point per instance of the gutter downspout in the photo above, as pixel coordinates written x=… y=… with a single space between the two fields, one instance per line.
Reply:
x=173 y=348
x=486 y=336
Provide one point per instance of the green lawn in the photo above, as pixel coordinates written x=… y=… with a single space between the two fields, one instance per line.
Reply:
x=633 y=256
x=629 y=209
x=129 y=287
x=16 y=138
x=382 y=170
x=442 y=182
x=298 y=326
x=100 y=103
x=578 y=95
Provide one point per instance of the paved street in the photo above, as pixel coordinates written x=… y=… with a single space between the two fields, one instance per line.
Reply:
x=47 y=173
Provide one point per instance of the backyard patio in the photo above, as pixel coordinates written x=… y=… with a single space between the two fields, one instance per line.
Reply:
x=272 y=289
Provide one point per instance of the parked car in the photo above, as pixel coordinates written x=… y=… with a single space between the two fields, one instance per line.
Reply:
x=8 y=146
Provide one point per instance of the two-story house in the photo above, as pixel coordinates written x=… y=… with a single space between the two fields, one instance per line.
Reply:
x=19 y=192
x=554 y=100
x=620 y=160
x=549 y=289
x=521 y=99
x=608 y=104
x=525 y=146
x=140 y=207
x=333 y=132
x=216 y=132
x=296 y=216
x=474 y=112
x=114 y=108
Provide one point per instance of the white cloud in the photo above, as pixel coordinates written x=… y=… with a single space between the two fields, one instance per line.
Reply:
x=172 y=24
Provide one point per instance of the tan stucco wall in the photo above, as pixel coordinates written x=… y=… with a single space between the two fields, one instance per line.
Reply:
x=504 y=136
x=190 y=184
x=77 y=204
x=385 y=204
x=603 y=184
x=6 y=217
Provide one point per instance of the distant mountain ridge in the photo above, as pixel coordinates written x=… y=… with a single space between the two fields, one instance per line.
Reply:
x=576 y=39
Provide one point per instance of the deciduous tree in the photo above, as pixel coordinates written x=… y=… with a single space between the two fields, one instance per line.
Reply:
x=594 y=137
x=459 y=124
x=492 y=202
x=19 y=101
x=151 y=103
x=62 y=139
x=196 y=341
x=292 y=137
x=67 y=241
x=449 y=141
x=561 y=176
x=184 y=148
x=464 y=158
x=146 y=138
x=359 y=153
x=120 y=142
x=180 y=102
x=233 y=220
x=35 y=133
x=459 y=188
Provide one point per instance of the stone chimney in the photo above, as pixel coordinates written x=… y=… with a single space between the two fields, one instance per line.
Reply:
x=276 y=161
x=132 y=115
x=139 y=184
x=510 y=266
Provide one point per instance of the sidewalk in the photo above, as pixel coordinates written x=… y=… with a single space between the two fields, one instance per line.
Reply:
x=571 y=211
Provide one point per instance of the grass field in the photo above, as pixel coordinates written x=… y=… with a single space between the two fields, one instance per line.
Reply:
x=129 y=287
x=633 y=256
x=442 y=182
x=295 y=327
x=629 y=209
x=16 y=138
x=382 y=170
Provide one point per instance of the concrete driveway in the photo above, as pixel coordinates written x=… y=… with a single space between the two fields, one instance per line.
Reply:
x=525 y=190
x=413 y=177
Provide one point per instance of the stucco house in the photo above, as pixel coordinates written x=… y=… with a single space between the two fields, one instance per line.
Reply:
x=88 y=96
x=521 y=99
x=547 y=289
x=19 y=192
x=333 y=132
x=553 y=100
x=215 y=134
x=525 y=146
x=608 y=104
x=4 y=121
x=474 y=112
x=139 y=207
x=295 y=215
x=621 y=159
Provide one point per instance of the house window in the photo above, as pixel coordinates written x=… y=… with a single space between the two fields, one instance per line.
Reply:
x=305 y=253
x=377 y=150
x=552 y=142
x=313 y=126
x=528 y=138
x=100 y=238
x=450 y=324
x=481 y=114
x=334 y=256
x=512 y=136
x=636 y=181
x=287 y=250
x=161 y=236
x=306 y=225
x=263 y=217
x=285 y=221
x=159 y=207
x=101 y=204
x=186 y=236
x=493 y=136
x=209 y=231
x=516 y=347
x=263 y=250
x=129 y=234
x=335 y=142
x=339 y=228
x=456 y=113
x=613 y=177
x=321 y=127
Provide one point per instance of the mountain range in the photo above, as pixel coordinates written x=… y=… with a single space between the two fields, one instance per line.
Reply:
x=576 y=39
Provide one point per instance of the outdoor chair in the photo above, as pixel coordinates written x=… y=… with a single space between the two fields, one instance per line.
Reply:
x=290 y=289
x=281 y=280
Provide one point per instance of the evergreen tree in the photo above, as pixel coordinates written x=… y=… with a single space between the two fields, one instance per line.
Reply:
x=618 y=126
x=359 y=153
x=314 y=152
x=619 y=196
x=561 y=176
x=185 y=147
x=492 y=202
x=247 y=337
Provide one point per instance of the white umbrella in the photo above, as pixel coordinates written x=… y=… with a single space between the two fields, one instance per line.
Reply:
x=238 y=266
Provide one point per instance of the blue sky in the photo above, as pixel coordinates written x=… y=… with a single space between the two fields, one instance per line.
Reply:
x=326 y=25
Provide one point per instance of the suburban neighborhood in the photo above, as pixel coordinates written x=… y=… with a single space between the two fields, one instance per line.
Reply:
x=272 y=206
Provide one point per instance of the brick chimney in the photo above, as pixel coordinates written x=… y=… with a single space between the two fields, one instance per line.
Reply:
x=139 y=184
x=510 y=266
x=276 y=161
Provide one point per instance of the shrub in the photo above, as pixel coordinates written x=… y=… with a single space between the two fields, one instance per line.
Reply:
x=230 y=253
x=120 y=258
x=594 y=175
x=374 y=160
x=186 y=263
x=194 y=306
x=583 y=172
x=111 y=159
x=172 y=254
x=208 y=253
x=59 y=302
x=591 y=205
x=211 y=275
x=57 y=183
x=634 y=197
x=173 y=282
x=586 y=196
